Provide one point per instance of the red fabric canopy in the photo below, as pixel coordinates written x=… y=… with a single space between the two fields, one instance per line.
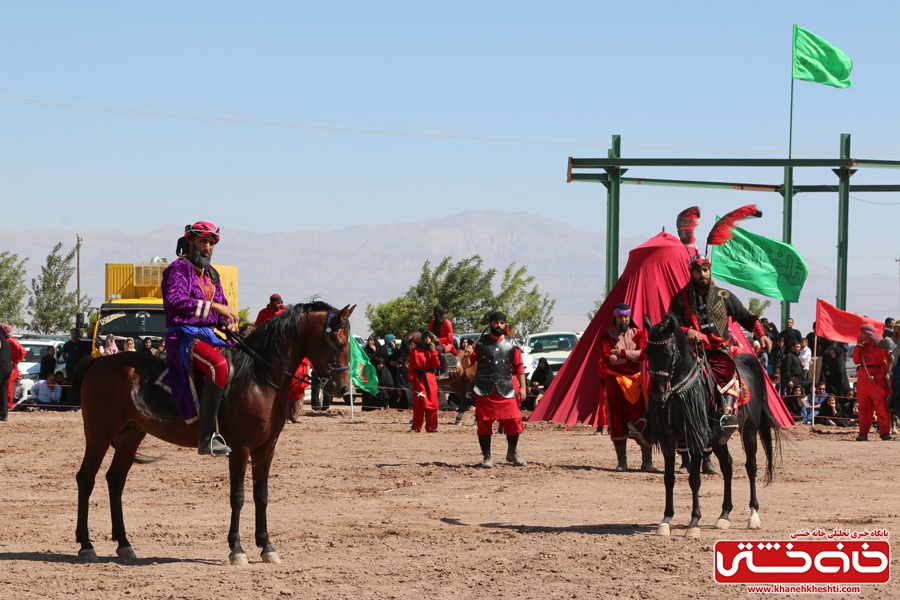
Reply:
x=656 y=271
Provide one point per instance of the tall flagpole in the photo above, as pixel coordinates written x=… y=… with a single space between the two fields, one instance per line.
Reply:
x=791 y=131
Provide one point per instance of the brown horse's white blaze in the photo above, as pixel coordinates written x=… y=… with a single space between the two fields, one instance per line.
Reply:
x=251 y=419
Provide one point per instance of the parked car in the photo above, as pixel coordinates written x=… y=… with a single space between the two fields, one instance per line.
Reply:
x=555 y=346
x=35 y=349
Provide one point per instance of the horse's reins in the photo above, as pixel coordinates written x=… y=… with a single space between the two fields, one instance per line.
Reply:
x=325 y=378
x=676 y=356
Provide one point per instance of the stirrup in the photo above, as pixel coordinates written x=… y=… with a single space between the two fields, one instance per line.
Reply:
x=217 y=446
x=728 y=424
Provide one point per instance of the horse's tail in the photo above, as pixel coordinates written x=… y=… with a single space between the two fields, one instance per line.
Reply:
x=769 y=430
x=81 y=370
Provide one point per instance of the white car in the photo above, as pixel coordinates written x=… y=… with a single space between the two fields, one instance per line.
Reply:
x=35 y=350
x=555 y=346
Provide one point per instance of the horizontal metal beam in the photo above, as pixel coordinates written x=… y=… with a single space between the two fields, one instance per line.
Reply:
x=853 y=188
x=747 y=187
x=834 y=163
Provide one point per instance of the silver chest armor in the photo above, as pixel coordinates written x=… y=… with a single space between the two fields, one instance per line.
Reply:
x=494 y=367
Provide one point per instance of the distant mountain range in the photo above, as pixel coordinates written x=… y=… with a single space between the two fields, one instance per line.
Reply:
x=372 y=264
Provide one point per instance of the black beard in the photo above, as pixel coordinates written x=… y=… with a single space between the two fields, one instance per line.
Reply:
x=497 y=332
x=198 y=260
x=623 y=327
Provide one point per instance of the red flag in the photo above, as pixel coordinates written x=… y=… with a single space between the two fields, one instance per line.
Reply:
x=839 y=325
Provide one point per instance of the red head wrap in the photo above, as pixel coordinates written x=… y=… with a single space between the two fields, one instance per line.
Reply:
x=202 y=229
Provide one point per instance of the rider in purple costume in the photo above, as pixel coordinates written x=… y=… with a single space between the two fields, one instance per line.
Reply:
x=195 y=303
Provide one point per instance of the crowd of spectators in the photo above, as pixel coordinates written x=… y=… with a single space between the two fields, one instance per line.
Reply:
x=817 y=389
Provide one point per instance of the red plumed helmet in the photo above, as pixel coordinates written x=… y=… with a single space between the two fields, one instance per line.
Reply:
x=721 y=231
x=686 y=223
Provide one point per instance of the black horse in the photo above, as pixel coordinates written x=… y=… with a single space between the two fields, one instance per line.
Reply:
x=681 y=415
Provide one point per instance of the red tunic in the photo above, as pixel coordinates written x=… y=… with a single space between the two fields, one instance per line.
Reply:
x=872 y=397
x=298 y=388
x=424 y=385
x=16 y=353
x=445 y=336
x=495 y=407
x=266 y=314
x=619 y=410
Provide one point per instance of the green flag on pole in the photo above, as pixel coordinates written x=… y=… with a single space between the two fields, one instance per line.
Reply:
x=762 y=265
x=362 y=372
x=818 y=61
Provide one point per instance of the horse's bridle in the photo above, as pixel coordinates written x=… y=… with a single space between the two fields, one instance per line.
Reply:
x=323 y=377
x=676 y=357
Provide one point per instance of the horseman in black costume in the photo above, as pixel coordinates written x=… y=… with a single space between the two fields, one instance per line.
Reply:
x=703 y=310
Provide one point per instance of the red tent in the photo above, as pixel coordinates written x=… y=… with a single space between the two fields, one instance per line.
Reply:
x=656 y=271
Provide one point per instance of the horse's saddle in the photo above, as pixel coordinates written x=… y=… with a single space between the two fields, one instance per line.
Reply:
x=155 y=397
x=449 y=368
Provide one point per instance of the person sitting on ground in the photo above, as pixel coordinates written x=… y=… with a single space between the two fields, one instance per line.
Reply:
x=47 y=391
x=540 y=381
x=109 y=348
x=274 y=308
x=830 y=413
x=374 y=350
x=812 y=403
x=792 y=396
x=129 y=345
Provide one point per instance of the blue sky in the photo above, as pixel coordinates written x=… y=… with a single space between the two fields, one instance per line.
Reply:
x=375 y=106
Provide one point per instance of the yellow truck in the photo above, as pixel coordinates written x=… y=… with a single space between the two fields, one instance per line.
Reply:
x=134 y=306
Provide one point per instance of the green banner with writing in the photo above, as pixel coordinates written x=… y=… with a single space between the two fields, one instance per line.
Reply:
x=760 y=264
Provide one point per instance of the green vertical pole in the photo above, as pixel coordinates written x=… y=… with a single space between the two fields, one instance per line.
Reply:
x=843 y=224
x=786 y=224
x=612 y=216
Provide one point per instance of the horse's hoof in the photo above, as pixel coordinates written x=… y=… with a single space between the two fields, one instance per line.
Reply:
x=663 y=529
x=238 y=559
x=270 y=557
x=88 y=555
x=692 y=532
x=754 y=523
x=723 y=524
x=126 y=552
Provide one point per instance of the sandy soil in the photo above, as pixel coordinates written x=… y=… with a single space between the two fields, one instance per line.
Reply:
x=362 y=509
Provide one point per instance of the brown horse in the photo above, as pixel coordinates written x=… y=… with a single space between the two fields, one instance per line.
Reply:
x=115 y=413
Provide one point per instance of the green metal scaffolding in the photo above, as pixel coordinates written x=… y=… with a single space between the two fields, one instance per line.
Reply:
x=614 y=167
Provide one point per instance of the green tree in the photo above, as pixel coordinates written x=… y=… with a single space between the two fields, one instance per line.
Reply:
x=52 y=307
x=12 y=288
x=244 y=316
x=757 y=306
x=526 y=309
x=593 y=312
x=465 y=290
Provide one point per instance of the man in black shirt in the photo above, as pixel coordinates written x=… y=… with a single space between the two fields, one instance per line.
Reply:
x=48 y=362
x=791 y=369
x=790 y=335
x=71 y=353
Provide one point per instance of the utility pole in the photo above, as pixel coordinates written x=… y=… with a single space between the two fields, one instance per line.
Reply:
x=78 y=272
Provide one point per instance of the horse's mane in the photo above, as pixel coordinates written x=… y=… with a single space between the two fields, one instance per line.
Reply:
x=271 y=339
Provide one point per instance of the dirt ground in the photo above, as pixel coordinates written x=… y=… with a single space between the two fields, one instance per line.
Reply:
x=362 y=509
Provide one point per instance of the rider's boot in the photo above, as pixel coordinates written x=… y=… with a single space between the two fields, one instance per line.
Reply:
x=728 y=422
x=708 y=467
x=647 y=461
x=211 y=442
x=621 y=455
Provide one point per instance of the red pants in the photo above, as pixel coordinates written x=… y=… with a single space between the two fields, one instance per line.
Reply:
x=421 y=412
x=872 y=400
x=620 y=411
x=209 y=361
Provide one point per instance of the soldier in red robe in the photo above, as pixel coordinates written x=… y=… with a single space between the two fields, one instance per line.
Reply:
x=274 y=308
x=626 y=395
x=499 y=361
x=872 y=389
x=423 y=360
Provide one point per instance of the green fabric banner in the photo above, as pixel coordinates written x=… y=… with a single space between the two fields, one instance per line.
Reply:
x=762 y=265
x=818 y=61
x=362 y=372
